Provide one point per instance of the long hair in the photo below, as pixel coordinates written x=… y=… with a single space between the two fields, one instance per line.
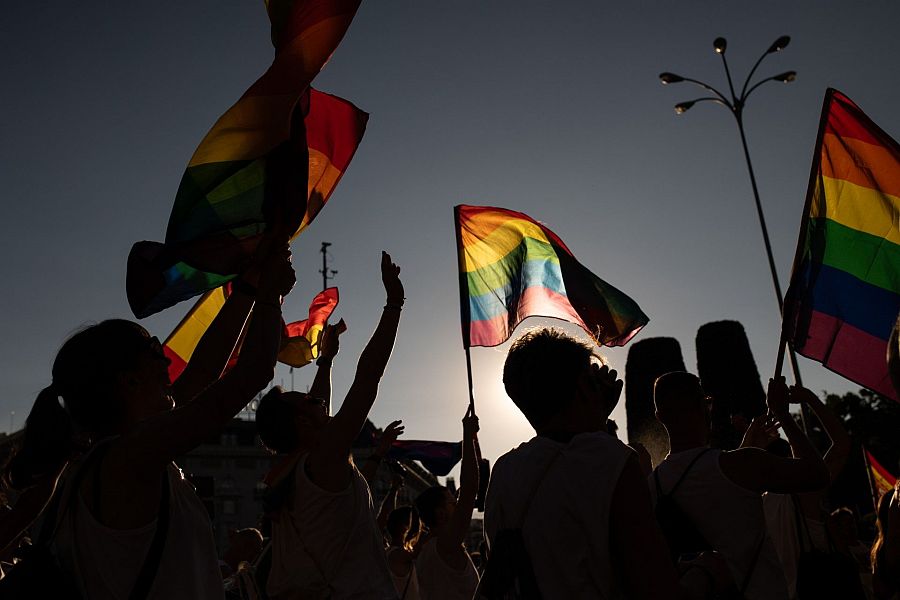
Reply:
x=877 y=552
x=79 y=401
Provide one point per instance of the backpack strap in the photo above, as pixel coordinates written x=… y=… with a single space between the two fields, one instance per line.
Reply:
x=680 y=479
x=537 y=486
x=147 y=574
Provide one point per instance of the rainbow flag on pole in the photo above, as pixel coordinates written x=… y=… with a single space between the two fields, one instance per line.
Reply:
x=300 y=341
x=844 y=295
x=512 y=267
x=882 y=480
x=221 y=206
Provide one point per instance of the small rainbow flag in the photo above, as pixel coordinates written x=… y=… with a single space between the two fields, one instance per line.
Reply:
x=299 y=342
x=844 y=295
x=222 y=203
x=882 y=480
x=512 y=267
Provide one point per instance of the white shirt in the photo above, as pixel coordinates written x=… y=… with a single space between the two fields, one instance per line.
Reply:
x=328 y=543
x=729 y=517
x=440 y=581
x=566 y=530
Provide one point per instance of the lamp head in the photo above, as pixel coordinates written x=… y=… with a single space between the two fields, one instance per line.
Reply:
x=786 y=77
x=683 y=107
x=719 y=45
x=779 y=44
x=667 y=78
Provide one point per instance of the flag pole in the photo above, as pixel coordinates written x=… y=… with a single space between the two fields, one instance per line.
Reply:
x=471 y=387
x=787 y=318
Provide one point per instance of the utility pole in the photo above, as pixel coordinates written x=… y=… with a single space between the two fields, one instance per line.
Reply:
x=325 y=271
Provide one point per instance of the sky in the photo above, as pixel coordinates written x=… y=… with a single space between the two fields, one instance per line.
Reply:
x=550 y=108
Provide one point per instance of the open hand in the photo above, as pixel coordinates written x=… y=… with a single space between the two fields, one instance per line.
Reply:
x=389 y=436
x=390 y=277
x=602 y=381
x=762 y=430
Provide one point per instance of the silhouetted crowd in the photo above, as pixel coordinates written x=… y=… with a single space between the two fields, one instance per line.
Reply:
x=102 y=512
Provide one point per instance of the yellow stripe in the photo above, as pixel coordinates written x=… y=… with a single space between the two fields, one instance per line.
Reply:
x=184 y=339
x=248 y=130
x=313 y=336
x=480 y=252
x=858 y=207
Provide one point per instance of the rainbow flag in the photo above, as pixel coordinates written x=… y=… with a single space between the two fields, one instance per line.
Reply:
x=844 y=295
x=300 y=341
x=512 y=267
x=438 y=457
x=222 y=204
x=882 y=480
x=299 y=344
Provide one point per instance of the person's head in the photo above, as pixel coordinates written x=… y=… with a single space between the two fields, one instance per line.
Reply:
x=681 y=405
x=844 y=522
x=403 y=527
x=435 y=506
x=243 y=545
x=288 y=421
x=106 y=377
x=547 y=375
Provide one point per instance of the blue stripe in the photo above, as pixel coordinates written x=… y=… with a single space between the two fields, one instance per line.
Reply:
x=503 y=300
x=862 y=305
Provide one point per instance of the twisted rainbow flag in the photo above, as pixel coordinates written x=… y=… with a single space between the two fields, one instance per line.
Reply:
x=844 y=295
x=512 y=267
x=222 y=205
x=300 y=341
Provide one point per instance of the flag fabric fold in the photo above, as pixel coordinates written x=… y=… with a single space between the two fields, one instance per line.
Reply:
x=512 y=267
x=300 y=340
x=882 y=480
x=844 y=295
x=221 y=206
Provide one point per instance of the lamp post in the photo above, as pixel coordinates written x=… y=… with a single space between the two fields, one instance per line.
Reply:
x=736 y=105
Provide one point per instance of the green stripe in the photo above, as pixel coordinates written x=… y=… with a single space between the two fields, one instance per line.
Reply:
x=870 y=258
x=495 y=275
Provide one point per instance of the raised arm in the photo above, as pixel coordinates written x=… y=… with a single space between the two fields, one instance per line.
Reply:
x=329 y=344
x=153 y=443
x=759 y=470
x=369 y=468
x=216 y=346
x=450 y=541
x=837 y=454
x=328 y=462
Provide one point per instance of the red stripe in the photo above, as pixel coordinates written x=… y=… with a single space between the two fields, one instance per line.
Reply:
x=470 y=213
x=849 y=352
x=534 y=302
x=845 y=119
x=334 y=127
x=176 y=363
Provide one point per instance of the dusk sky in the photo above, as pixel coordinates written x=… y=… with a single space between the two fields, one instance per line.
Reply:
x=550 y=108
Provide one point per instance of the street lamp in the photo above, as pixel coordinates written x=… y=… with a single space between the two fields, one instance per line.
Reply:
x=736 y=104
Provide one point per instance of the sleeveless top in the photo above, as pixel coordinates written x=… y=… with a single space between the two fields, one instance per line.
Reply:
x=407 y=586
x=729 y=517
x=440 y=581
x=327 y=544
x=566 y=531
x=106 y=561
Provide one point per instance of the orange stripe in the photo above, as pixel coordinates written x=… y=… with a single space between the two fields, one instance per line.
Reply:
x=861 y=163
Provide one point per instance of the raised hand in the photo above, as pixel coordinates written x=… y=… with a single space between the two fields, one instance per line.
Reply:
x=388 y=437
x=762 y=430
x=329 y=341
x=602 y=381
x=470 y=424
x=390 y=277
x=777 y=398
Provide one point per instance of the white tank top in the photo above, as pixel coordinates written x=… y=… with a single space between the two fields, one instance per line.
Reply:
x=327 y=544
x=566 y=531
x=440 y=581
x=729 y=517
x=107 y=561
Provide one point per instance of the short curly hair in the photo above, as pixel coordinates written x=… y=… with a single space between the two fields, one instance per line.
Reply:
x=542 y=370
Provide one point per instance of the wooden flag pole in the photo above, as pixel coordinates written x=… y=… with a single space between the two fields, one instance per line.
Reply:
x=869 y=478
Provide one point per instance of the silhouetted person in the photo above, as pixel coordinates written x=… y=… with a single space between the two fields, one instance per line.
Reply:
x=886 y=549
x=404 y=527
